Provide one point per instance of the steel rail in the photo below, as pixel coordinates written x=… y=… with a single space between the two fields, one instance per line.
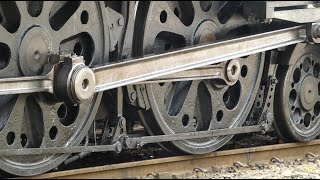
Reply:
x=128 y=72
x=288 y=151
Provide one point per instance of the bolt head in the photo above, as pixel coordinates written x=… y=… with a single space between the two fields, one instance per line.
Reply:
x=119 y=147
x=83 y=84
x=120 y=21
x=233 y=70
x=122 y=121
x=133 y=96
x=274 y=81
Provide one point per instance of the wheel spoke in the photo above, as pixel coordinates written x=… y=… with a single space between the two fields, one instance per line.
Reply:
x=188 y=105
x=170 y=23
x=174 y=24
x=16 y=117
x=76 y=27
x=69 y=29
x=216 y=96
x=187 y=112
x=9 y=67
x=22 y=6
x=6 y=37
x=198 y=12
x=49 y=113
x=47 y=6
x=169 y=97
x=179 y=96
x=52 y=126
x=44 y=16
x=74 y=24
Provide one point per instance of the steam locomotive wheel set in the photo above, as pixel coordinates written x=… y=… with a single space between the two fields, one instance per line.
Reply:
x=77 y=76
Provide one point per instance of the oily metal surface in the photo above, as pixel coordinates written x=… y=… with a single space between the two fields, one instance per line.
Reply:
x=188 y=106
x=29 y=33
x=287 y=151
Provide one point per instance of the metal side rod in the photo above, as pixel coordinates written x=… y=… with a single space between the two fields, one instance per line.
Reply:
x=25 y=85
x=146 y=68
x=131 y=143
x=125 y=73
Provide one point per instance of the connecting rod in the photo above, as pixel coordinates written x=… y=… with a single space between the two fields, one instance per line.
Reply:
x=71 y=79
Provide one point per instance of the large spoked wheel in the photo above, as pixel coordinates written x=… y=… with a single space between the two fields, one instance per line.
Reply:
x=188 y=106
x=298 y=110
x=30 y=32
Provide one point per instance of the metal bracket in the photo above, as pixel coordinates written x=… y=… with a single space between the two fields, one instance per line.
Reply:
x=115 y=135
x=294 y=11
x=313 y=32
x=120 y=130
x=132 y=94
x=115 y=23
x=137 y=96
x=263 y=105
x=267 y=113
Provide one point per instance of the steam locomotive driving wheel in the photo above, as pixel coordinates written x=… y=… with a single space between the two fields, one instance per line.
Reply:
x=197 y=105
x=298 y=110
x=30 y=33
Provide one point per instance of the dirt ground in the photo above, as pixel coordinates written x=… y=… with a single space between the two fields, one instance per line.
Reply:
x=296 y=169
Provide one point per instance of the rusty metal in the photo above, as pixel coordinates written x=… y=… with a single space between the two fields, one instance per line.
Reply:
x=312 y=157
x=289 y=151
x=239 y=164
x=198 y=169
x=152 y=174
x=276 y=160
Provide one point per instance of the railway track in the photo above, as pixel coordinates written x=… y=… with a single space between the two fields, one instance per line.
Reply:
x=262 y=154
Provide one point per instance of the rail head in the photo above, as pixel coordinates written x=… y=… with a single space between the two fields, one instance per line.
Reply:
x=288 y=151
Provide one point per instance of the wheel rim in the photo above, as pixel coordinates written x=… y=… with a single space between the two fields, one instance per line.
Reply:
x=180 y=106
x=38 y=120
x=298 y=111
